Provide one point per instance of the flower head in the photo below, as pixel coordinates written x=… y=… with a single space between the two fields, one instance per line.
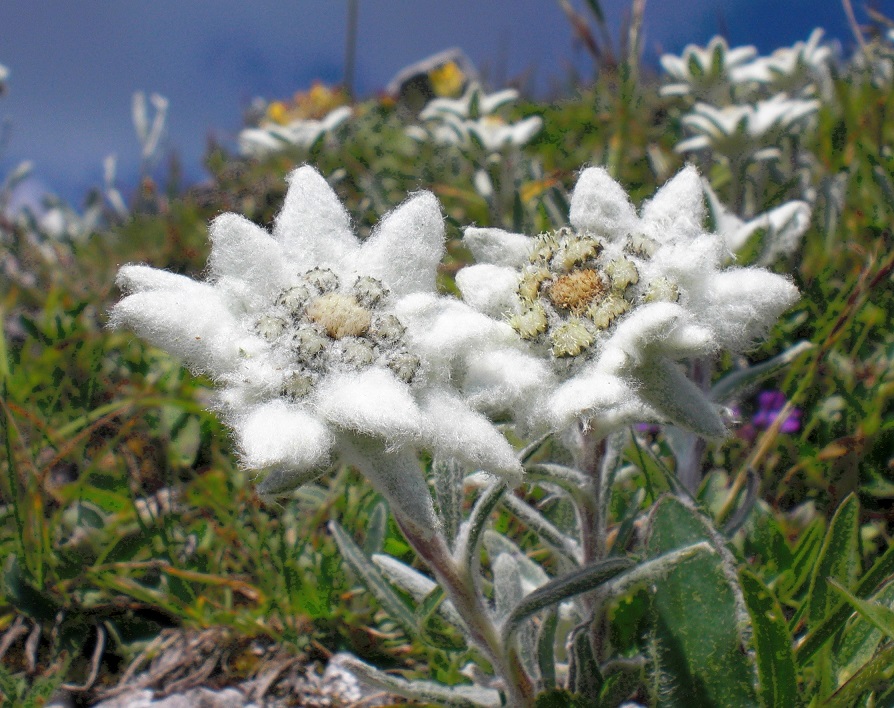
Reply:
x=608 y=305
x=320 y=344
x=272 y=136
x=471 y=118
x=796 y=70
x=707 y=74
x=749 y=132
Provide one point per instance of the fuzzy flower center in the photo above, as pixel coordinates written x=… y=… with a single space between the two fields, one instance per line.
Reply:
x=576 y=290
x=339 y=315
x=575 y=286
x=321 y=324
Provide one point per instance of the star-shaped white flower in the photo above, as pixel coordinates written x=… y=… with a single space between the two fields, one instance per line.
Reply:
x=608 y=306
x=783 y=227
x=746 y=131
x=471 y=118
x=323 y=346
x=706 y=74
x=795 y=70
x=271 y=137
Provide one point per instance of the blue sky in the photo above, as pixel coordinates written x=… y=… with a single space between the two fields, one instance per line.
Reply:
x=74 y=65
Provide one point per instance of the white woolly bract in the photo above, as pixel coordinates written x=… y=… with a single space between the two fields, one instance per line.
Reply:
x=406 y=247
x=509 y=381
x=497 y=247
x=190 y=323
x=488 y=288
x=600 y=205
x=469 y=436
x=277 y=434
x=372 y=402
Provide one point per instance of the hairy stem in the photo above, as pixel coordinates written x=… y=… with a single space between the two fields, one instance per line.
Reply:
x=459 y=587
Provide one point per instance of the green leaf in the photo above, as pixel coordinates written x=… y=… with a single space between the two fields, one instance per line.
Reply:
x=373 y=580
x=696 y=70
x=818 y=636
x=861 y=639
x=376 y=529
x=879 y=615
x=416 y=585
x=670 y=392
x=877 y=674
x=439 y=694
x=470 y=536
x=24 y=596
x=805 y=554
x=736 y=382
x=546 y=654
x=584 y=676
x=507 y=584
x=839 y=559
x=560 y=698
x=562 y=588
x=11 y=687
x=700 y=652
x=772 y=642
x=530 y=572
x=447 y=474
x=544 y=528
x=622 y=678
x=718 y=61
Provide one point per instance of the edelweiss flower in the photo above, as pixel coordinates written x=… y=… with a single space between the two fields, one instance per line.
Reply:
x=746 y=131
x=707 y=74
x=472 y=104
x=783 y=226
x=608 y=305
x=271 y=137
x=322 y=345
x=795 y=70
x=471 y=118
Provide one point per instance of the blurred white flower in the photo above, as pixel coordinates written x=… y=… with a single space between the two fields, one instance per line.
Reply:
x=474 y=103
x=797 y=70
x=783 y=227
x=323 y=346
x=606 y=307
x=4 y=75
x=471 y=118
x=707 y=74
x=746 y=132
x=270 y=137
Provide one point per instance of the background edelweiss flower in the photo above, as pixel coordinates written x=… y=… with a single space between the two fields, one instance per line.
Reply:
x=705 y=74
x=783 y=227
x=322 y=345
x=272 y=137
x=746 y=131
x=608 y=306
x=471 y=118
x=797 y=70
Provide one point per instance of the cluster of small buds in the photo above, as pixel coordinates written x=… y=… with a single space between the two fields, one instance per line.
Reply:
x=320 y=325
x=574 y=288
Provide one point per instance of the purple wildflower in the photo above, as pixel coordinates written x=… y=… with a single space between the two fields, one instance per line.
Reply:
x=770 y=405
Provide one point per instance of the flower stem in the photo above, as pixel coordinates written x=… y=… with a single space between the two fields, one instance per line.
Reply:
x=460 y=588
